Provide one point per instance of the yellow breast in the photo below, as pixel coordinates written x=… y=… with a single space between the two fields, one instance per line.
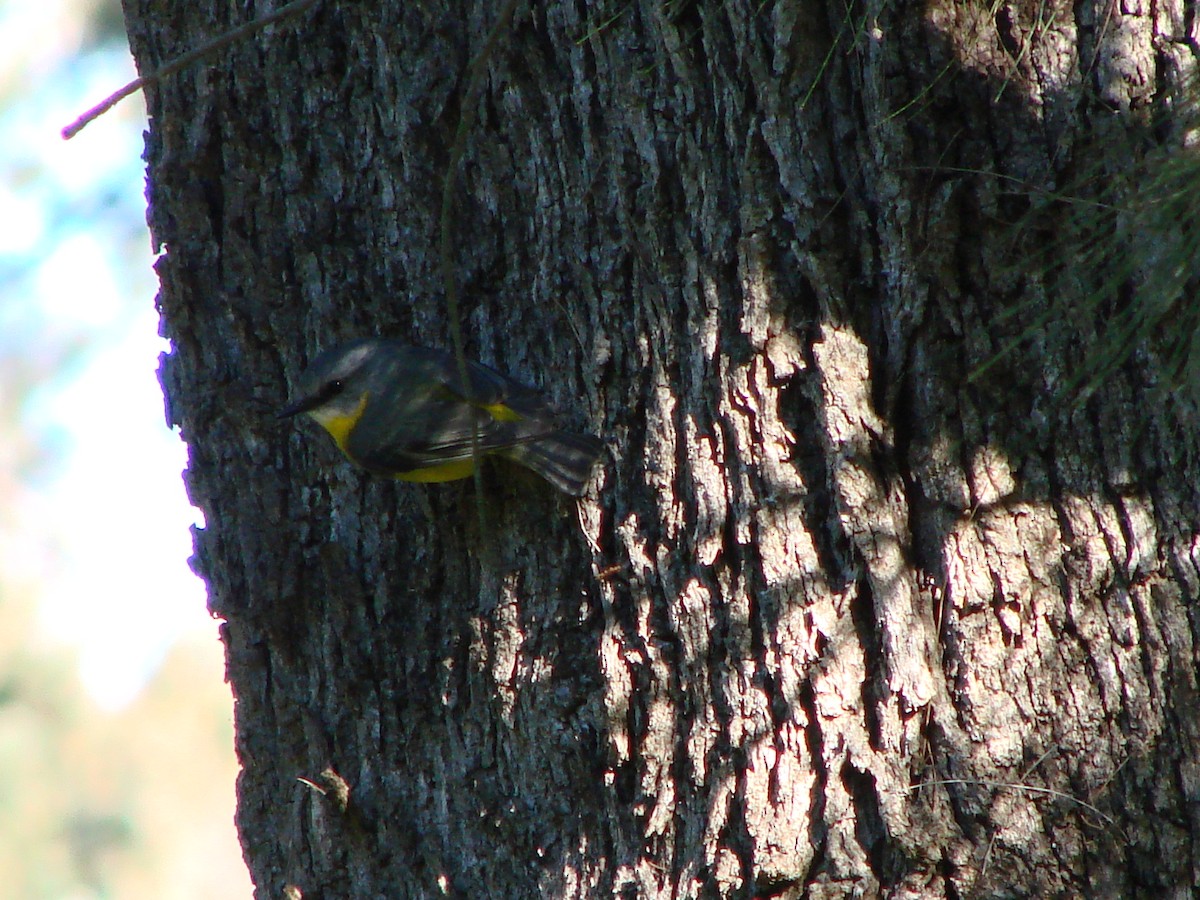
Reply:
x=339 y=425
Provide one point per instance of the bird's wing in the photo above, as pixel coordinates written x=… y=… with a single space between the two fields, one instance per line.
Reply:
x=500 y=396
x=435 y=424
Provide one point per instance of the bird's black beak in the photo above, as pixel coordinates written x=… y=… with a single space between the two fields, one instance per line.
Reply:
x=326 y=392
x=304 y=404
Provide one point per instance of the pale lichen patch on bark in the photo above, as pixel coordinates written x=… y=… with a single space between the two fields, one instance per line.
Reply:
x=707 y=470
x=507 y=636
x=873 y=512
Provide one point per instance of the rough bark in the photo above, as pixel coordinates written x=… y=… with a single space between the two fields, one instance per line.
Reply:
x=835 y=620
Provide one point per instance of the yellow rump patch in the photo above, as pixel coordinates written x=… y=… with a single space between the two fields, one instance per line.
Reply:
x=502 y=413
x=451 y=471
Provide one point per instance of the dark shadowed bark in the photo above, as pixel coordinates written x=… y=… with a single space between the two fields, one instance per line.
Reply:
x=834 y=619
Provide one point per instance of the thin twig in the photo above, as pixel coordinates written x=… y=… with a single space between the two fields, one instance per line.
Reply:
x=987 y=854
x=1027 y=788
x=218 y=43
x=466 y=118
x=475 y=79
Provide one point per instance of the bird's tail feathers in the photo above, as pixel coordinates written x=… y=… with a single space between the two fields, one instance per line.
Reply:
x=565 y=460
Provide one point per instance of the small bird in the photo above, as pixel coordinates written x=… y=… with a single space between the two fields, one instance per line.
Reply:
x=402 y=411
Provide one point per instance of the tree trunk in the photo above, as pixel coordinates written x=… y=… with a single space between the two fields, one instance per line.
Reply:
x=835 y=619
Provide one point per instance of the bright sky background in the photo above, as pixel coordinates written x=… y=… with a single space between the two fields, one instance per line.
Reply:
x=104 y=523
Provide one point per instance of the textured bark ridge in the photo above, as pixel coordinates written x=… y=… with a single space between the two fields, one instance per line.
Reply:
x=836 y=619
